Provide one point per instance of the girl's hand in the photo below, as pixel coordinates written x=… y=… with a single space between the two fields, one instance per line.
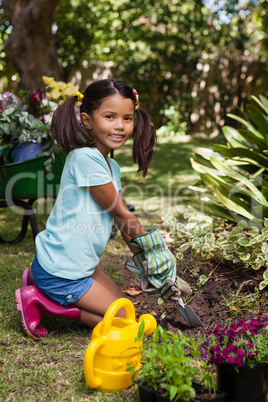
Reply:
x=157 y=285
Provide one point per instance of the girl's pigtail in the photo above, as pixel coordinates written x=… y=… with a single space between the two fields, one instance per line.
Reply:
x=67 y=130
x=144 y=135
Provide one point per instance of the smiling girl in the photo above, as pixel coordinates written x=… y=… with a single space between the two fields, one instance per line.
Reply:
x=65 y=280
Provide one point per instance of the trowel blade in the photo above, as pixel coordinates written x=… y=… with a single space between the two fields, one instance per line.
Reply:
x=189 y=315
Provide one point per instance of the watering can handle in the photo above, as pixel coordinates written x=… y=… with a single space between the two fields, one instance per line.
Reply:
x=91 y=380
x=111 y=312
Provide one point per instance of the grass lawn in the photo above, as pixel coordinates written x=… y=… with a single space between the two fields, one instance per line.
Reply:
x=52 y=368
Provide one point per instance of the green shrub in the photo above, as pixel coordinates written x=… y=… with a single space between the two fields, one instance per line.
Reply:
x=174 y=122
x=234 y=177
x=244 y=245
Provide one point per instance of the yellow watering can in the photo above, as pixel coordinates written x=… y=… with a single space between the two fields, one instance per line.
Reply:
x=113 y=345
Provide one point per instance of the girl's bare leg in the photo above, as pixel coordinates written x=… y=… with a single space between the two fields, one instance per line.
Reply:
x=98 y=298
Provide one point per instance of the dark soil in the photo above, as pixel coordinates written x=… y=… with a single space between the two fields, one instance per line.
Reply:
x=217 y=300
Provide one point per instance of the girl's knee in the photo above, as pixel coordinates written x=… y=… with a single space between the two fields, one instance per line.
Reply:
x=121 y=313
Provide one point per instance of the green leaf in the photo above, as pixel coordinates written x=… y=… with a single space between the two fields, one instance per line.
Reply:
x=185 y=247
x=23 y=137
x=263 y=284
x=194 y=252
x=140 y=331
x=245 y=256
x=247 y=124
x=242 y=225
x=232 y=188
x=6 y=129
x=252 y=139
x=232 y=135
x=237 y=176
x=257 y=239
x=265 y=231
x=211 y=208
x=244 y=241
x=264 y=185
x=254 y=230
x=259 y=119
x=202 y=161
x=247 y=155
x=172 y=392
x=261 y=211
x=206 y=153
x=179 y=256
x=203 y=169
x=235 y=231
x=49 y=167
x=264 y=247
x=202 y=279
x=262 y=102
x=209 y=238
x=230 y=201
x=10 y=111
x=265 y=275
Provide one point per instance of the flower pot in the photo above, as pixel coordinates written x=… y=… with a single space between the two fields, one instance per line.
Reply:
x=149 y=395
x=27 y=150
x=247 y=385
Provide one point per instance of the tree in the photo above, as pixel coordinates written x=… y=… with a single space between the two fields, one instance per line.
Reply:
x=31 y=47
x=156 y=46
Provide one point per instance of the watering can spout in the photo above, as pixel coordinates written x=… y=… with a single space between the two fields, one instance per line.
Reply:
x=150 y=323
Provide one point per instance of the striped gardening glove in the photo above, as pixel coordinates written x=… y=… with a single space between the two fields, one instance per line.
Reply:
x=156 y=267
x=148 y=284
x=169 y=289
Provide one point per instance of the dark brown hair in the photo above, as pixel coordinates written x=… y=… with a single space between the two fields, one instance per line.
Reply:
x=70 y=133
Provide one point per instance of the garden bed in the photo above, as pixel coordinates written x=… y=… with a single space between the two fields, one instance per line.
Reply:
x=228 y=293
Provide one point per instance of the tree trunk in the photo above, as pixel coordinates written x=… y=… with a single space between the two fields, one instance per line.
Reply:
x=32 y=47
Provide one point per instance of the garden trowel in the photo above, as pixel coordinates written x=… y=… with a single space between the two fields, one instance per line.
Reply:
x=188 y=314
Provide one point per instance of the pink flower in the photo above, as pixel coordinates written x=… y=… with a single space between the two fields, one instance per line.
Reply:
x=8 y=99
x=143 y=20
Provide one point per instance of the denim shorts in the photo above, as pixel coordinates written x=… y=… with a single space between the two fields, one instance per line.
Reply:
x=64 y=291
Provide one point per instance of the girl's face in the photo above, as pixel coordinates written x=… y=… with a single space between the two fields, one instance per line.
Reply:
x=112 y=124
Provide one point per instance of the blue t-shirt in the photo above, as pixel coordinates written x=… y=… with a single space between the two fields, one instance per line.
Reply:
x=78 y=228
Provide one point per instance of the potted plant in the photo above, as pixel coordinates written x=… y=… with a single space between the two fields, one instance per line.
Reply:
x=25 y=121
x=173 y=371
x=240 y=353
x=25 y=125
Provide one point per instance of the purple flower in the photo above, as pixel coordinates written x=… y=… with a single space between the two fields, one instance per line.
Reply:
x=30 y=102
x=231 y=360
x=237 y=343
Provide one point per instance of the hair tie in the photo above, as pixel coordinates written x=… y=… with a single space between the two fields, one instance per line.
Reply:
x=137 y=105
x=80 y=96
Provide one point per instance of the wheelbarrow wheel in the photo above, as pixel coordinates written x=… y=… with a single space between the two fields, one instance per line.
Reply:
x=28 y=215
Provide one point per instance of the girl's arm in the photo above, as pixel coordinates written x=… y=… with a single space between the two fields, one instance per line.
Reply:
x=114 y=203
x=125 y=236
